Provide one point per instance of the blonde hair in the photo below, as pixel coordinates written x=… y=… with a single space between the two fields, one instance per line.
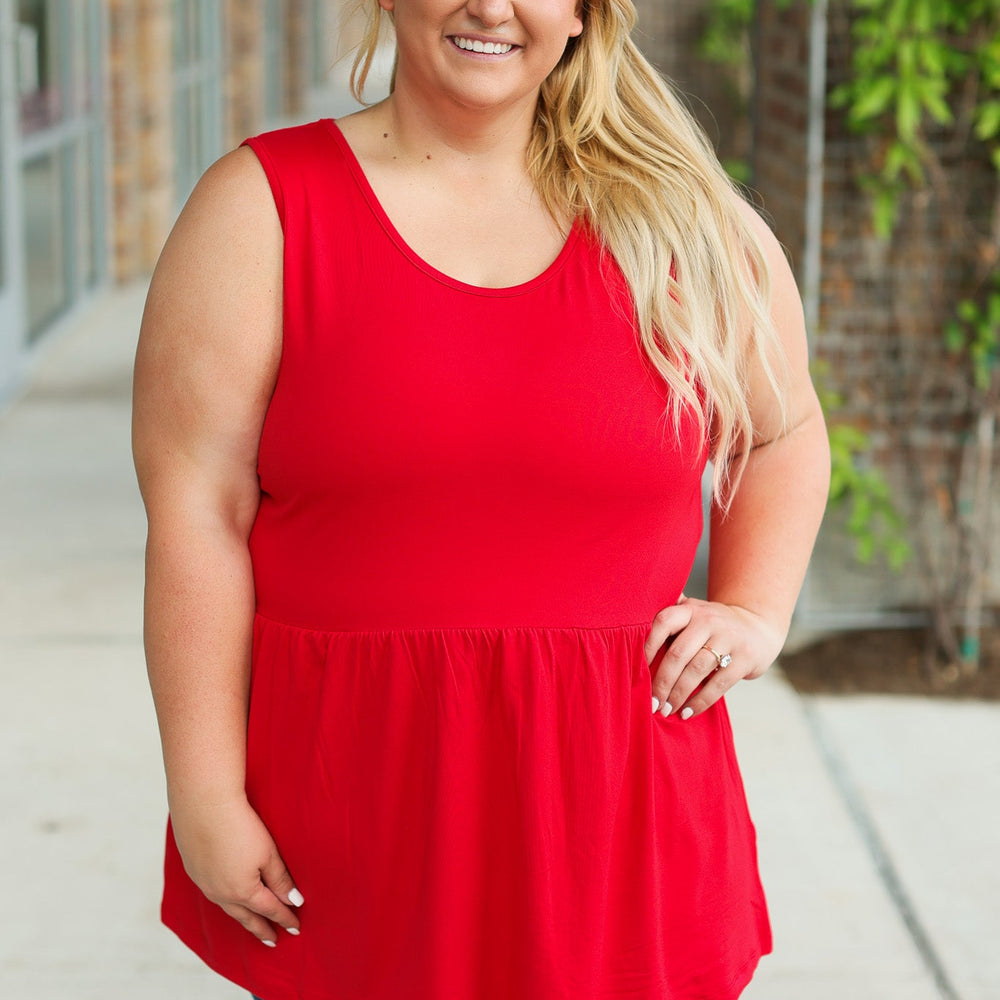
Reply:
x=614 y=144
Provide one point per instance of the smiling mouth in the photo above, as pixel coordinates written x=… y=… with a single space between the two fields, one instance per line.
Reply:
x=485 y=48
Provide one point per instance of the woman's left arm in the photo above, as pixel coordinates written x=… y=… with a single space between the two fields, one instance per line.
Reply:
x=761 y=546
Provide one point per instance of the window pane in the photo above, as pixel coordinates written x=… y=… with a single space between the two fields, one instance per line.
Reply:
x=39 y=82
x=274 y=59
x=3 y=221
x=190 y=44
x=198 y=89
x=196 y=97
x=44 y=239
x=84 y=195
x=181 y=33
x=193 y=152
x=182 y=142
x=3 y=236
x=320 y=56
x=82 y=44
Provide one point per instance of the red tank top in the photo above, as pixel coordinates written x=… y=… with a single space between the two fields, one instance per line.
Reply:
x=473 y=502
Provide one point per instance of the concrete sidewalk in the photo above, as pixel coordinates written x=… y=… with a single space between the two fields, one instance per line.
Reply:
x=877 y=817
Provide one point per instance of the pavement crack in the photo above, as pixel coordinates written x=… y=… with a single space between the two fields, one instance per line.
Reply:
x=889 y=876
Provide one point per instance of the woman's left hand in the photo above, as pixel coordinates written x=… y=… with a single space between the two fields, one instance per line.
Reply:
x=689 y=677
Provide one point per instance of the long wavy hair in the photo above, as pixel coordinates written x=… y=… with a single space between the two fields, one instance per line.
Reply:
x=613 y=143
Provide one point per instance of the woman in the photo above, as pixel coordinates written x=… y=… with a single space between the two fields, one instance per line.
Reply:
x=422 y=403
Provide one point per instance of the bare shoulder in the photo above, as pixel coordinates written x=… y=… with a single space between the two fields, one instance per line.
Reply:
x=784 y=289
x=786 y=300
x=801 y=405
x=210 y=338
x=226 y=239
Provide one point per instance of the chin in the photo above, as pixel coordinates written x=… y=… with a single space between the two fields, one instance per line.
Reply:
x=489 y=99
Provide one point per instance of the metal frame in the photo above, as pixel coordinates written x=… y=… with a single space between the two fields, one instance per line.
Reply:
x=204 y=78
x=275 y=68
x=808 y=609
x=319 y=42
x=80 y=134
x=11 y=256
x=328 y=69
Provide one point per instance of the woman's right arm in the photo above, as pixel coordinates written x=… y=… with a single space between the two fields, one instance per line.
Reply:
x=205 y=368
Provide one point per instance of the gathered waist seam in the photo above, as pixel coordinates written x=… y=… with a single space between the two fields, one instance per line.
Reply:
x=454 y=628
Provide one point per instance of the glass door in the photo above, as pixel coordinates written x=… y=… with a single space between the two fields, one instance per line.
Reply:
x=275 y=46
x=197 y=90
x=10 y=262
x=58 y=83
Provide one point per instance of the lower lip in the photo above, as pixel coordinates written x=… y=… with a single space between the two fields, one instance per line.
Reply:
x=486 y=56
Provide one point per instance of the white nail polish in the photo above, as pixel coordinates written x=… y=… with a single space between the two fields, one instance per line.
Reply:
x=687 y=713
x=656 y=703
x=295 y=898
x=270 y=944
x=293 y=930
x=667 y=709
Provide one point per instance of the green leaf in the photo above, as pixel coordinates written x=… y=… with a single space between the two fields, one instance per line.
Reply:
x=874 y=100
x=837 y=486
x=991 y=314
x=864 y=549
x=987 y=120
x=968 y=311
x=932 y=57
x=899 y=553
x=954 y=336
x=841 y=95
x=739 y=170
x=901 y=158
x=932 y=94
x=908 y=113
x=885 y=210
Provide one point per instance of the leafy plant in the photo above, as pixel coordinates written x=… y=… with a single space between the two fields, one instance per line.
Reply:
x=975 y=332
x=724 y=39
x=873 y=519
x=924 y=73
x=909 y=57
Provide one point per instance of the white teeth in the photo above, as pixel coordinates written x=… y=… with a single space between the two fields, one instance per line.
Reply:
x=489 y=48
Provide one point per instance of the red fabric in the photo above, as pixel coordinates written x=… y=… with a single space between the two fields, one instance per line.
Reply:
x=472 y=506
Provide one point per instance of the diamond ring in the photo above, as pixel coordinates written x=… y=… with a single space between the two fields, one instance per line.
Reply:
x=722 y=659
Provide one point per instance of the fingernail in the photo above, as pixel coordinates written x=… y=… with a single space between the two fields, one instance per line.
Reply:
x=270 y=944
x=295 y=898
x=656 y=703
x=687 y=713
x=667 y=709
x=293 y=930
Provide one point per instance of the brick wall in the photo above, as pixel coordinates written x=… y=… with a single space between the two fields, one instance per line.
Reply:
x=882 y=304
x=297 y=40
x=155 y=127
x=781 y=113
x=140 y=94
x=669 y=33
x=141 y=132
x=124 y=153
x=243 y=43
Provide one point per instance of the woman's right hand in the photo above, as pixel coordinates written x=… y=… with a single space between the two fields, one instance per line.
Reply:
x=232 y=858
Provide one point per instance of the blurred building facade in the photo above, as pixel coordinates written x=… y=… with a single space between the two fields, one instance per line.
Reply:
x=111 y=109
x=109 y=112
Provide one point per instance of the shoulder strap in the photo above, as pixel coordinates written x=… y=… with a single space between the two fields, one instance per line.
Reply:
x=290 y=158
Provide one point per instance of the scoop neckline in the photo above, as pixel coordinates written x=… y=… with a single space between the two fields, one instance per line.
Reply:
x=393 y=233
